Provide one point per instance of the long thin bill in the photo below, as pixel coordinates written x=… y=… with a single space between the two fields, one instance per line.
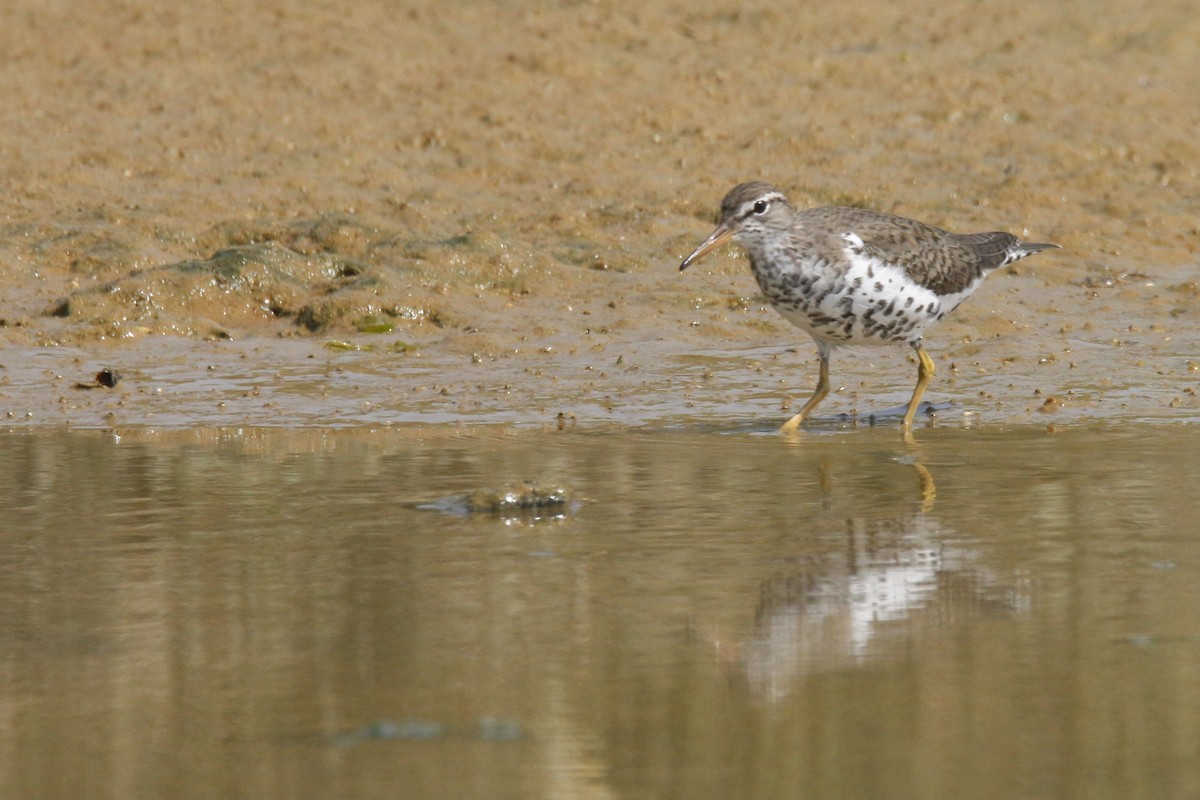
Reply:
x=715 y=239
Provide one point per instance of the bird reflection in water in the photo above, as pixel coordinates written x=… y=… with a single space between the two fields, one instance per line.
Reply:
x=892 y=583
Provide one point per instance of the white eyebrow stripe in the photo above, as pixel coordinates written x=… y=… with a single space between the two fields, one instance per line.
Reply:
x=748 y=208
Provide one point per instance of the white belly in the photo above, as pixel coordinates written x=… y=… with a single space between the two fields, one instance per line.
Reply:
x=868 y=302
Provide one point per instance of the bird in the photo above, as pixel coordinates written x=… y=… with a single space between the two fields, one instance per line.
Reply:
x=852 y=276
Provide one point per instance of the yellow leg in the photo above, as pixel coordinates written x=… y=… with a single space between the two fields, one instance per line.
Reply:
x=924 y=375
x=928 y=487
x=821 y=392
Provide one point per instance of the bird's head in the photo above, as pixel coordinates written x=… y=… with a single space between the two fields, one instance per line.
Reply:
x=750 y=212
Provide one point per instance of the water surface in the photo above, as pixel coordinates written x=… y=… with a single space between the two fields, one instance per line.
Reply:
x=721 y=613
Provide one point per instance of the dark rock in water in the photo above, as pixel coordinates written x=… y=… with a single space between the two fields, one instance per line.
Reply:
x=529 y=498
x=106 y=378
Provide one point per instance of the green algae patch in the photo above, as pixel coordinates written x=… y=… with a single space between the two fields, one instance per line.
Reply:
x=374 y=324
x=356 y=347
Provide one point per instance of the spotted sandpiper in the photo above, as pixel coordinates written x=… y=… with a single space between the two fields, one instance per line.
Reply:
x=850 y=276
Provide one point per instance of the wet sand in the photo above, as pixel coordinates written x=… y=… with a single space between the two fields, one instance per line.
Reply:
x=493 y=199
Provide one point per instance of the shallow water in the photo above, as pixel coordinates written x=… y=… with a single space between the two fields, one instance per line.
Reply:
x=719 y=613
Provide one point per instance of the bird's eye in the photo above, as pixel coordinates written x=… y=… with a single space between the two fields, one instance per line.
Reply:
x=760 y=207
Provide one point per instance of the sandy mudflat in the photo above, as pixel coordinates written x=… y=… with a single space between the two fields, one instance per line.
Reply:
x=493 y=199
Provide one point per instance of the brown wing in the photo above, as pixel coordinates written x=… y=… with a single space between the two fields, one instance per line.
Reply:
x=941 y=261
